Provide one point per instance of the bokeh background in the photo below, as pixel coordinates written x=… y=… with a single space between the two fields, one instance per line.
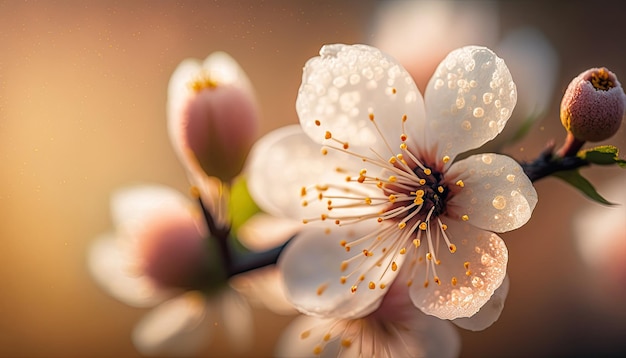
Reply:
x=82 y=112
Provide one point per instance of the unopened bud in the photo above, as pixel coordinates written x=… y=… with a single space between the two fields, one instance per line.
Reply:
x=171 y=251
x=593 y=105
x=212 y=116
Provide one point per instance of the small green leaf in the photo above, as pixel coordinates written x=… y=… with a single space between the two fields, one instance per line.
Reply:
x=602 y=155
x=241 y=205
x=576 y=180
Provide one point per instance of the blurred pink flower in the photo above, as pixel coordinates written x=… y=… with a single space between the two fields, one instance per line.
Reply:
x=159 y=256
x=391 y=208
x=420 y=33
x=600 y=239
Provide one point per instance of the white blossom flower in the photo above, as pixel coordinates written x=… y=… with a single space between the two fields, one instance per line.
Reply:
x=386 y=186
x=159 y=257
x=396 y=329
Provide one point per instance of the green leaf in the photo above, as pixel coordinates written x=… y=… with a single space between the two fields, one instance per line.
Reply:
x=241 y=205
x=602 y=155
x=576 y=180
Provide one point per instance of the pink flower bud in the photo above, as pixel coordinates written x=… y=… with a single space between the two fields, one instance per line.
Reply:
x=212 y=116
x=171 y=251
x=593 y=105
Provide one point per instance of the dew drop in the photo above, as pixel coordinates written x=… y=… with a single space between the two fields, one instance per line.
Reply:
x=460 y=102
x=467 y=125
x=499 y=202
x=477 y=282
x=487 y=159
x=504 y=112
x=488 y=260
x=487 y=97
x=339 y=81
x=355 y=79
x=510 y=177
x=479 y=112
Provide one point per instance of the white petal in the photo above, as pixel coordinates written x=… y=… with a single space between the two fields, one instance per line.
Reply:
x=347 y=83
x=178 y=327
x=264 y=287
x=263 y=231
x=311 y=266
x=468 y=101
x=237 y=320
x=419 y=335
x=303 y=335
x=497 y=196
x=413 y=335
x=489 y=313
x=463 y=291
x=133 y=207
x=111 y=269
x=286 y=160
x=177 y=92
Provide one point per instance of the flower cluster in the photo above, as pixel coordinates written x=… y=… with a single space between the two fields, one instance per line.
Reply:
x=172 y=252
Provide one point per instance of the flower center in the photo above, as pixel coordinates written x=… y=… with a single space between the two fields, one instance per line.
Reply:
x=601 y=80
x=410 y=198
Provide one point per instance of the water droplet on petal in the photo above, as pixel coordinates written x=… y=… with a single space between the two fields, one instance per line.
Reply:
x=478 y=112
x=499 y=202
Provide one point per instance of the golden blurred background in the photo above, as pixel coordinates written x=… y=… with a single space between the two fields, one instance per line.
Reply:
x=82 y=112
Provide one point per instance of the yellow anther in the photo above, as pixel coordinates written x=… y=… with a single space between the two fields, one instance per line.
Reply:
x=379 y=220
x=440 y=189
x=362 y=277
x=423 y=226
x=452 y=248
x=305 y=221
x=324 y=151
x=453 y=281
x=403 y=251
x=344 y=265
x=353 y=289
x=429 y=256
x=394 y=266
x=343 y=243
x=403 y=137
x=327 y=135
x=195 y=192
x=419 y=193
x=302 y=191
x=403 y=146
x=460 y=183
x=371 y=115
x=422 y=181
x=371 y=285
x=409 y=283
x=327 y=337
x=468 y=273
x=317 y=350
x=323 y=217
x=368 y=201
x=393 y=179
x=425 y=283
x=346 y=343
x=392 y=198
x=427 y=171
x=337 y=222
x=416 y=243
x=317 y=122
x=343 y=279
x=437 y=262
x=346 y=145
x=466 y=264
x=392 y=160
x=446 y=159
x=437 y=281
x=464 y=217
x=418 y=200
x=404 y=117
x=305 y=334
x=401 y=225
x=363 y=172
x=444 y=227
x=321 y=289
x=382 y=286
